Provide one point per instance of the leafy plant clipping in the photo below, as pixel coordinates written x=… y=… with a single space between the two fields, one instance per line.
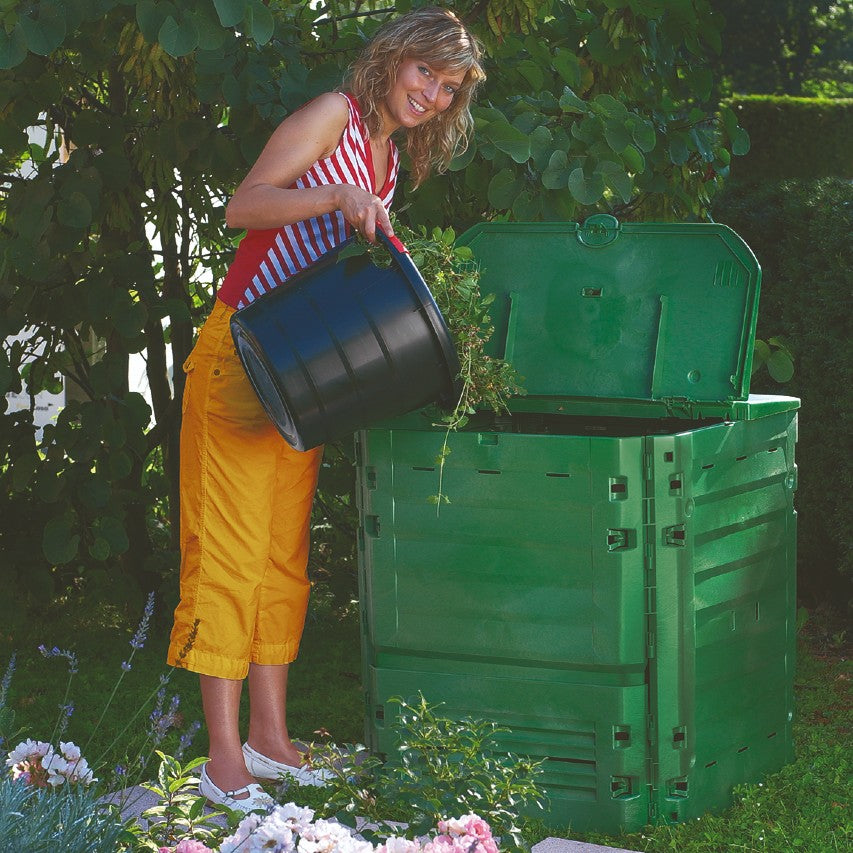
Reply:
x=453 y=278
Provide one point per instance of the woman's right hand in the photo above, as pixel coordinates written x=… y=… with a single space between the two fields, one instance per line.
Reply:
x=364 y=211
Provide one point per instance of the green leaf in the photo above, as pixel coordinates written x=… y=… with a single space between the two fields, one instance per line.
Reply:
x=703 y=140
x=112 y=529
x=678 y=150
x=571 y=103
x=230 y=12
x=95 y=492
x=729 y=120
x=129 y=317
x=352 y=250
x=740 y=142
x=7 y=374
x=541 y=146
x=760 y=354
x=178 y=38
x=74 y=211
x=780 y=366
x=609 y=106
x=100 y=549
x=556 y=175
x=509 y=139
x=620 y=182
x=45 y=32
x=587 y=190
x=23 y=469
x=59 y=542
x=589 y=130
x=567 y=65
x=527 y=207
x=461 y=161
x=608 y=52
x=701 y=81
x=115 y=170
x=259 y=22
x=532 y=73
x=643 y=132
x=150 y=16
x=634 y=159
x=617 y=135
x=13 y=47
x=503 y=189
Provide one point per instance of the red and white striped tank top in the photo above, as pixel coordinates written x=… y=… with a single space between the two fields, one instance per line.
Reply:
x=268 y=257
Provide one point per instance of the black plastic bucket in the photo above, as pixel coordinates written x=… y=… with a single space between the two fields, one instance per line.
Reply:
x=345 y=343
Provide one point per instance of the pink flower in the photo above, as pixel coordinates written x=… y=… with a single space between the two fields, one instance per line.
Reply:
x=476 y=826
x=190 y=845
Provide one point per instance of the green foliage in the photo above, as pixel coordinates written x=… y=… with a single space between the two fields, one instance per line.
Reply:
x=70 y=818
x=775 y=355
x=802 y=138
x=125 y=125
x=601 y=106
x=180 y=812
x=800 y=232
x=803 y=49
x=442 y=767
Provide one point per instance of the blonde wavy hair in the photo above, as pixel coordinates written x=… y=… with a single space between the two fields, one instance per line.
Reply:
x=439 y=38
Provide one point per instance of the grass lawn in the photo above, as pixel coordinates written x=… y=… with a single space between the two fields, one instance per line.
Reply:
x=806 y=806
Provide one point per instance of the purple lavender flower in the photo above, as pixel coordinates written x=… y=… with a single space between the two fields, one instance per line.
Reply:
x=138 y=640
x=7 y=679
x=186 y=739
x=125 y=665
x=65 y=712
x=56 y=652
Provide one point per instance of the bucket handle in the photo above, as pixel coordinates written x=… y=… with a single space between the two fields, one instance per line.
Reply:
x=393 y=243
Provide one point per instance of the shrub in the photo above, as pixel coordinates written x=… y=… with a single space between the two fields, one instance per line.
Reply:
x=800 y=232
x=801 y=138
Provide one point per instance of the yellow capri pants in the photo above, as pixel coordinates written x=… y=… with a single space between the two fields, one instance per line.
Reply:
x=246 y=500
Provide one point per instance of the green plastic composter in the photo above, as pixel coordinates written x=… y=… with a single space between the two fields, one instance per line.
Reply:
x=614 y=577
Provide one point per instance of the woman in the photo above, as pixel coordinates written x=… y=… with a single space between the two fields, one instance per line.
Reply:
x=245 y=494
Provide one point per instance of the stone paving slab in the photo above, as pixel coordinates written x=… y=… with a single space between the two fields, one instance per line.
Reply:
x=134 y=801
x=564 y=845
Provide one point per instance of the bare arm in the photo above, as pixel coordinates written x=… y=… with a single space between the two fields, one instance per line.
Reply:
x=263 y=199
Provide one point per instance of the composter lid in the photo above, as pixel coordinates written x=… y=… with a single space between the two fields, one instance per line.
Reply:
x=658 y=312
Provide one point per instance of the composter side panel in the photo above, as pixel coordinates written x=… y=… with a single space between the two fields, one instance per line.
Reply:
x=520 y=601
x=724 y=566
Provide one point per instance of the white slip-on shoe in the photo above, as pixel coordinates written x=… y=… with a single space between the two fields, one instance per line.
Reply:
x=262 y=767
x=258 y=799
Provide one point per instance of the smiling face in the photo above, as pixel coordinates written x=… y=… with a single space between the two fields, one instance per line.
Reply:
x=420 y=92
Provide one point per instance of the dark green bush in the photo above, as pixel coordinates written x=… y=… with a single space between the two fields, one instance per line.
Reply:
x=801 y=234
x=800 y=138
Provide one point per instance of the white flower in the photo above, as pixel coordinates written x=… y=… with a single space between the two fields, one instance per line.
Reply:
x=297 y=817
x=395 y=844
x=28 y=750
x=273 y=834
x=70 y=750
x=326 y=836
x=237 y=841
x=68 y=767
x=57 y=769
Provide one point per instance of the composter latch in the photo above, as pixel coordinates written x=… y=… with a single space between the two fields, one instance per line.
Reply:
x=600 y=229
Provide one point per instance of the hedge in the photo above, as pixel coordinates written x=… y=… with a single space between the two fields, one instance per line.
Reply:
x=802 y=138
x=801 y=233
